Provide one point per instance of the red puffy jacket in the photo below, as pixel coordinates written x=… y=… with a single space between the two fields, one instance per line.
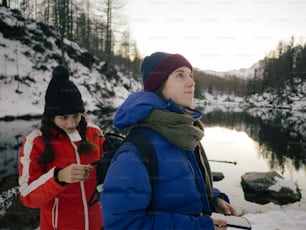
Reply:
x=61 y=206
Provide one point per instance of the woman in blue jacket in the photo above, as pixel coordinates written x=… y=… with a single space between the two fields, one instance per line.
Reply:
x=183 y=196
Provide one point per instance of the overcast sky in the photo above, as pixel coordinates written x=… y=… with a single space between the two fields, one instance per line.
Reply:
x=216 y=35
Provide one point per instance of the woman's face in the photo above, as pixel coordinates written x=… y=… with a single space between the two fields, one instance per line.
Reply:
x=180 y=87
x=68 y=122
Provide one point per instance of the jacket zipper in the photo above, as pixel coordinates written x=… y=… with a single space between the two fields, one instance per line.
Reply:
x=84 y=200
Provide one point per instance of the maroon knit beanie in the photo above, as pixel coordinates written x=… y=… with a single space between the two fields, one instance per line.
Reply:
x=156 y=68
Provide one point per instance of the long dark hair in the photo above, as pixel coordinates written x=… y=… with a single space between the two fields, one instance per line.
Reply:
x=46 y=128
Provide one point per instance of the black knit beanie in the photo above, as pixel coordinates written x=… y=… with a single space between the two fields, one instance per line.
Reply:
x=62 y=96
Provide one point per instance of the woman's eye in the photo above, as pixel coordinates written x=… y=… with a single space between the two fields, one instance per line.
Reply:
x=76 y=116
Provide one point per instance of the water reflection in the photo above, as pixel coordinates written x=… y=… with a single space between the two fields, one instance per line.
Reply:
x=271 y=140
x=236 y=146
x=276 y=142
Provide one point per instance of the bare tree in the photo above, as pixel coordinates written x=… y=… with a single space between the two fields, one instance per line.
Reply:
x=112 y=22
x=61 y=10
x=108 y=40
x=5 y=3
x=125 y=45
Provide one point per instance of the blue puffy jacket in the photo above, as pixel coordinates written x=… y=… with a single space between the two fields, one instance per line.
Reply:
x=180 y=193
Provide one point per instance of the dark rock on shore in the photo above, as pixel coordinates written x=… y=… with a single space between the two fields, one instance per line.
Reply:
x=265 y=187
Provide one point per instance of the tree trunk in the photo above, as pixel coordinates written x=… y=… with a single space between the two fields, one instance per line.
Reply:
x=4 y=3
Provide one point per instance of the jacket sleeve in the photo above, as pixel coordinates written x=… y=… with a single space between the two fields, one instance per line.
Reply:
x=127 y=194
x=218 y=194
x=37 y=186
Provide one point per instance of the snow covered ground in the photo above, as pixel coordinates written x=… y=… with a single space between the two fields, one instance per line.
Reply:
x=278 y=220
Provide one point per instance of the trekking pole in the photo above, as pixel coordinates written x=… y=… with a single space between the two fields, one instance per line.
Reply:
x=227 y=162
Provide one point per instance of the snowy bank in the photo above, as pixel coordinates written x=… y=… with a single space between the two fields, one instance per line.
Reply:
x=278 y=220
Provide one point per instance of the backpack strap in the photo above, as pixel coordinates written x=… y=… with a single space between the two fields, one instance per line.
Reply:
x=140 y=138
x=110 y=146
x=142 y=141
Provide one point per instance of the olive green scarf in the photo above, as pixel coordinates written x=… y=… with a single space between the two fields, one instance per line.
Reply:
x=180 y=131
x=177 y=128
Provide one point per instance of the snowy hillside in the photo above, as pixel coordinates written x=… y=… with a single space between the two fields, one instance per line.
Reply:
x=28 y=53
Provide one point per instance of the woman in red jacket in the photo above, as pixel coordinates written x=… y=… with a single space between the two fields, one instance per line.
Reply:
x=55 y=174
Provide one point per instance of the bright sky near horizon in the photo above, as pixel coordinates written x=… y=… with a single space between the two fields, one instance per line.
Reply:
x=218 y=35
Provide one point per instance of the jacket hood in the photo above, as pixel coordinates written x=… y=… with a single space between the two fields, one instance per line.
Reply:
x=137 y=107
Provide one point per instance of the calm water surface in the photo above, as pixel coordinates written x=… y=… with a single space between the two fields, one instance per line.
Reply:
x=226 y=144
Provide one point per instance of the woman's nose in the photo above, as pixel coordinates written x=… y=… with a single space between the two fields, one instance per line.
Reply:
x=71 y=122
x=190 y=82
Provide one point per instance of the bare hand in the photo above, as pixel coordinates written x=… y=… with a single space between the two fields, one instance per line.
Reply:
x=224 y=207
x=74 y=173
x=219 y=224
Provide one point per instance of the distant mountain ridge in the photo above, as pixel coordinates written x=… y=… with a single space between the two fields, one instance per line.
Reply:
x=244 y=73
